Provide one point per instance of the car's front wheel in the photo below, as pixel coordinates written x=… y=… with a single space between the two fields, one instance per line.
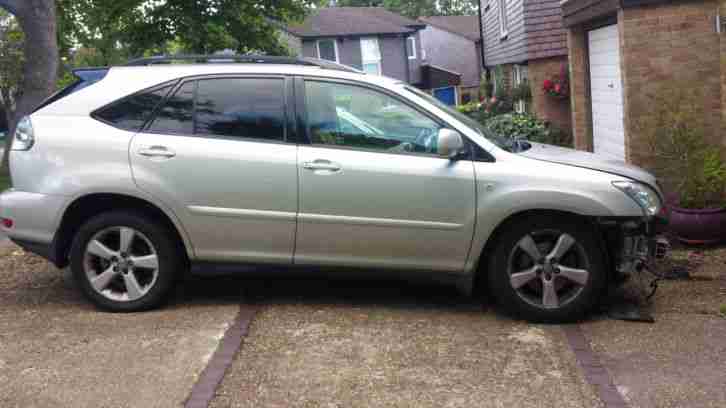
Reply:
x=125 y=261
x=548 y=269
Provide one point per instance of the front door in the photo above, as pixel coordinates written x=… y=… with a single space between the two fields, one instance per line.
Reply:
x=216 y=154
x=373 y=192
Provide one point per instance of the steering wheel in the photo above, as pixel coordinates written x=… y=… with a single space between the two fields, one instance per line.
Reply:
x=426 y=141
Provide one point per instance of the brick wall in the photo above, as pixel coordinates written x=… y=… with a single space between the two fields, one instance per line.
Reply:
x=580 y=95
x=544 y=106
x=661 y=45
x=674 y=43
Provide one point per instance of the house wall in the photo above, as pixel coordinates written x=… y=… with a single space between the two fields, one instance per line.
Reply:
x=546 y=36
x=661 y=45
x=453 y=52
x=393 y=54
x=544 y=106
x=415 y=64
x=511 y=49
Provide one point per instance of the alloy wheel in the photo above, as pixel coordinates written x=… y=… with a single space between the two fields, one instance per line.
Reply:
x=548 y=269
x=121 y=264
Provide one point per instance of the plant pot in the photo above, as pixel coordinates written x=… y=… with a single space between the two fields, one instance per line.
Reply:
x=702 y=226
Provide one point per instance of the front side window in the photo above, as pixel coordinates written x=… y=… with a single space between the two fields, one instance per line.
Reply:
x=328 y=50
x=249 y=108
x=350 y=116
x=371 y=55
x=133 y=112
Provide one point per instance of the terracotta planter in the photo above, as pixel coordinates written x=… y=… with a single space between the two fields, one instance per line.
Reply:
x=705 y=226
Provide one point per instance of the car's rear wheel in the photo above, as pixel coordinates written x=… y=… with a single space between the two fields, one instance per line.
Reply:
x=124 y=261
x=548 y=269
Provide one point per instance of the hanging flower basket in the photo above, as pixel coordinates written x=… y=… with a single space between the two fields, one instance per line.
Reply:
x=559 y=86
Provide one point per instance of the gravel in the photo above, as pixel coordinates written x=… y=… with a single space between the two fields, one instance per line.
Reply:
x=56 y=350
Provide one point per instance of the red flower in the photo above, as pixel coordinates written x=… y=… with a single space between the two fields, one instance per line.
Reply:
x=558 y=88
x=547 y=85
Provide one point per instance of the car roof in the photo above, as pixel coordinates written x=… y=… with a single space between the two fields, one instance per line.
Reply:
x=122 y=81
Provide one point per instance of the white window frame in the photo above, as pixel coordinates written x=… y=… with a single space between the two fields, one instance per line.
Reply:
x=335 y=47
x=503 y=19
x=520 y=106
x=413 y=47
x=365 y=62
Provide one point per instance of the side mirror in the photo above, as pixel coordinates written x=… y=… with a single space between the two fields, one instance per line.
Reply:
x=450 y=144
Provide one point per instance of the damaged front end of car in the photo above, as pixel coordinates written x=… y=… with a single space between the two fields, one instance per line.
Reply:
x=635 y=245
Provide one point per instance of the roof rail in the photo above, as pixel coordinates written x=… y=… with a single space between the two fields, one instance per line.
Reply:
x=241 y=59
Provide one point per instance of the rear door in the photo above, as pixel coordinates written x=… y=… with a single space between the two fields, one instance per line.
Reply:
x=217 y=153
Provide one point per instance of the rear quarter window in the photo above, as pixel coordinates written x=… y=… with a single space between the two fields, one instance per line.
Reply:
x=132 y=112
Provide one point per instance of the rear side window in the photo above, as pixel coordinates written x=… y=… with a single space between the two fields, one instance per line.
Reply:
x=247 y=108
x=241 y=107
x=177 y=113
x=131 y=113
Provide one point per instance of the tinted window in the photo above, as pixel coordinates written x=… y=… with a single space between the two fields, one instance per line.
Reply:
x=352 y=116
x=177 y=114
x=131 y=113
x=241 y=107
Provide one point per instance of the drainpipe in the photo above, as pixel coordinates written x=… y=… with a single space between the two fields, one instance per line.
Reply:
x=482 y=45
x=481 y=33
x=405 y=58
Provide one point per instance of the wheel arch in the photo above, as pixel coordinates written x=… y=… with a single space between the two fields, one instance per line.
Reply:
x=483 y=251
x=89 y=205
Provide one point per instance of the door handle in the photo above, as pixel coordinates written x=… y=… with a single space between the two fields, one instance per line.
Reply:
x=322 y=165
x=157 y=151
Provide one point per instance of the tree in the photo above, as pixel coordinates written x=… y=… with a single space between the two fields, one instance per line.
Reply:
x=11 y=64
x=418 y=8
x=118 y=29
x=37 y=19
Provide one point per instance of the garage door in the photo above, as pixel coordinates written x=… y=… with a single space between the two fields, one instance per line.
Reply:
x=606 y=92
x=446 y=95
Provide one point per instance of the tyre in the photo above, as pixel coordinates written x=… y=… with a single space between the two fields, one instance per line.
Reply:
x=125 y=261
x=547 y=269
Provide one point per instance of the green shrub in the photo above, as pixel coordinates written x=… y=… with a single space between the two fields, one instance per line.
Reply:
x=528 y=127
x=672 y=126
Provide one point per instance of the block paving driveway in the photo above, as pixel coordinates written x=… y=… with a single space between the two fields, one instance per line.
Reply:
x=348 y=343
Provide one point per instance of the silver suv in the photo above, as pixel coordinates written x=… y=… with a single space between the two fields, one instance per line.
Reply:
x=134 y=174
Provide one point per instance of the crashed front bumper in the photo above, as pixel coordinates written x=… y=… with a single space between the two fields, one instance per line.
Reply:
x=636 y=243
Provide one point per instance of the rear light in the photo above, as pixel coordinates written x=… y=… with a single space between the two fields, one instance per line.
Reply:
x=24 y=135
x=7 y=223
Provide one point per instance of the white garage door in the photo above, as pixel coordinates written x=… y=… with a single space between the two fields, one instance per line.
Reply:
x=606 y=92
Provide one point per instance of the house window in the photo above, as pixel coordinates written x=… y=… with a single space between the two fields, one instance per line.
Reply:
x=370 y=55
x=328 y=50
x=411 y=47
x=521 y=76
x=503 y=20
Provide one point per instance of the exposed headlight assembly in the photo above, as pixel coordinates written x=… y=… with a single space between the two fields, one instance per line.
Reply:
x=646 y=198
